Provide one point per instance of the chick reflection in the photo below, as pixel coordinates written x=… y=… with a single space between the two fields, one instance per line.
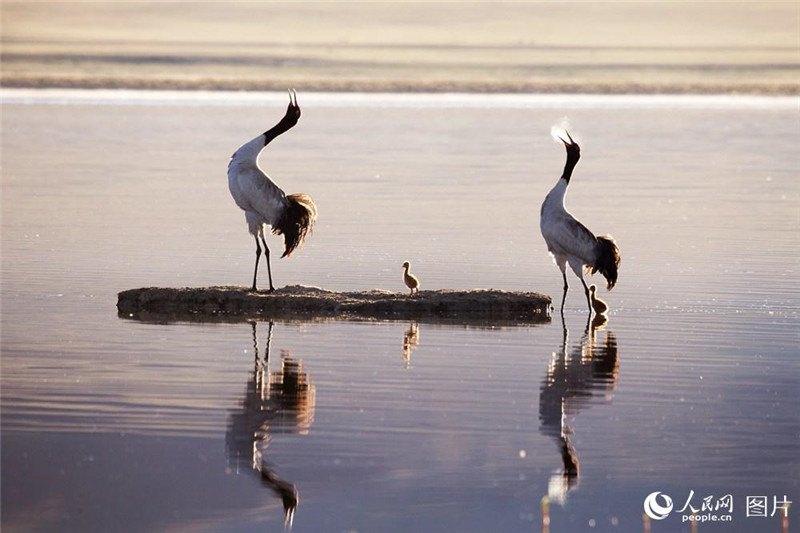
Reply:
x=575 y=377
x=410 y=343
x=274 y=402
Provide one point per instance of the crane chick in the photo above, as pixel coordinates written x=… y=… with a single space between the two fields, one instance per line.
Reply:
x=599 y=306
x=411 y=281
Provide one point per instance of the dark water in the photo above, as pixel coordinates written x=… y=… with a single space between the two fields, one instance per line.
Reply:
x=690 y=389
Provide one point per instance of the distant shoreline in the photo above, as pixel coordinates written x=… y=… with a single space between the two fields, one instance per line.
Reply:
x=399 y=86
x=644 y=48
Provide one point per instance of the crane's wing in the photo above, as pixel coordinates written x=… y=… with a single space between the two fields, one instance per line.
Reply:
x=567 y=236
x=250 y=187
x=254 y=192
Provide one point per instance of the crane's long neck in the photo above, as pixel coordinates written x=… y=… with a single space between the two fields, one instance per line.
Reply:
x=277 y=129
x=568 y=168
x=556 y=196
x=247 y=154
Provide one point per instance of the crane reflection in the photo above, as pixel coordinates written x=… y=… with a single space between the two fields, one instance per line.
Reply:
x=410 y=342
x=577 y=377
x=274 y=402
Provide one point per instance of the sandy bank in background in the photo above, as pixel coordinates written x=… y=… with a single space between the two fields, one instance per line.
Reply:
x=698 y=47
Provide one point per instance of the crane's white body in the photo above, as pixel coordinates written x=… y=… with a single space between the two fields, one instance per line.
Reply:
x=568 y=241
x=252 y=190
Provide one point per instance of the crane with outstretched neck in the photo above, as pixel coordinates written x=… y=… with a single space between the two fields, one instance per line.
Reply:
x=569 y=241
x=263 y=202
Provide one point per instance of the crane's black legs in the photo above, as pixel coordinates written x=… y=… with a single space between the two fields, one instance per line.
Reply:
x=588 y=299
x=255 y=270
x=566 y=288
x=269 y=268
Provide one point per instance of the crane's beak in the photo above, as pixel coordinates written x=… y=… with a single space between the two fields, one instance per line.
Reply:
x=567 y=143
x=292 y=97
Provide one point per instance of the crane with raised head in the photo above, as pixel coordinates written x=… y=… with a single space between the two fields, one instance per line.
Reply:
x=263 y=202
x=569 y=241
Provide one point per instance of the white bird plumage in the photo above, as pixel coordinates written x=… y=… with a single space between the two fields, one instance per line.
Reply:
x=263 y=202
x=569 y=241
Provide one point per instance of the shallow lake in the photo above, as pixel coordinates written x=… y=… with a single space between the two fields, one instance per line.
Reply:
x=691 y=389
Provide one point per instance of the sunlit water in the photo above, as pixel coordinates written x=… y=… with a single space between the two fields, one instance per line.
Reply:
x=110 y=424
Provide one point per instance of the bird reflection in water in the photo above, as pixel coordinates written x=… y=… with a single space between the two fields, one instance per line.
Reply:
x=410 y=343
x=274 y=402
x=576 y=377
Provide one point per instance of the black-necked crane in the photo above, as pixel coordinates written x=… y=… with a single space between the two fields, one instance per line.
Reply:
x=411 y=281
x=263 y=202
x=569 y=241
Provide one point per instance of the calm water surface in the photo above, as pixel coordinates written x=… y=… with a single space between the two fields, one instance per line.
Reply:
x=690 y=389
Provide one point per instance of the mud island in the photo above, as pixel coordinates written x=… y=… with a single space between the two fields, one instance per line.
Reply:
x=297 y=301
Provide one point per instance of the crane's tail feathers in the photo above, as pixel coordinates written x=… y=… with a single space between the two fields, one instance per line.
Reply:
x=608 y=260
x=297 y=222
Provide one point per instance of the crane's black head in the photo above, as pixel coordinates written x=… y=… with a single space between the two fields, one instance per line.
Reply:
x=292 y=112
x=287 y=122
x=573 y=150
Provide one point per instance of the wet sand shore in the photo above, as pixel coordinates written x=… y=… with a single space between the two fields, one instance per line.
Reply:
x=399 y=86
x=663 y=47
